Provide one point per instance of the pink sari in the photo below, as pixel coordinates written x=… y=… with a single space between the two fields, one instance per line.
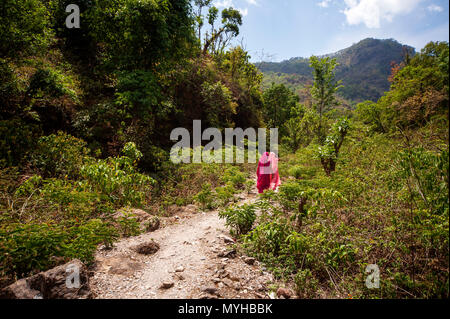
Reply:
x=267 y=173
x=274 y=177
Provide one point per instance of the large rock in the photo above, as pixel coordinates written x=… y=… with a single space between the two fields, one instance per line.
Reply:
x=284 y=292
x=151 y=224
x=148 y=222
x=19 y=290
x=139 y=214
x=68 y=281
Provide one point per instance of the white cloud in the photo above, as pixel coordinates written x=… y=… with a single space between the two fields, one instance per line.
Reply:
x=244 y=12
x=434 y=8
x=229 y=3
x=224 y=4
x=324 y=3
x=372 y=12
x=253 y=2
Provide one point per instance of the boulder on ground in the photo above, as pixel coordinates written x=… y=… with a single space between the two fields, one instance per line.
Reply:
x=68 y=281
x=249 y=260
x=167 y=284
x=19 y=290
x=139 y=214
x=148 y=222
x=151 y=224
x=284 y=292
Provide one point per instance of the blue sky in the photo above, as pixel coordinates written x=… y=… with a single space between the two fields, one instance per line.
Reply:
x=281 y=29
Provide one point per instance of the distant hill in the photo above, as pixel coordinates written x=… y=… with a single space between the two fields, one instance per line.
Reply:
x=364 y=69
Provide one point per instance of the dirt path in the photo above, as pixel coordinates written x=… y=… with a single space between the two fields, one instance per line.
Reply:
x=190 y=264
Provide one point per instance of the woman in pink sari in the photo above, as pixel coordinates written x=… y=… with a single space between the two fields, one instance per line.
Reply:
x=267 y=173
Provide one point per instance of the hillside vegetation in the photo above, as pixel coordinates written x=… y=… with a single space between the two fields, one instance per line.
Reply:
x=364 y=69
x=85 y=122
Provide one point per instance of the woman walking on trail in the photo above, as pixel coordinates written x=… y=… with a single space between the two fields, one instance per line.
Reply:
x=267 y=173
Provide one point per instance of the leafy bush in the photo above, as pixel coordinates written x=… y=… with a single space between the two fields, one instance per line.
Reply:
x=24 y=27
x=305 y=284
x=60 y=155
x=303 y=172
x=128 y=225
x=26 y=248
x=239 y=218
x=118 y=179
x=340 y=254
x=17 y=138
x=329 y=151
x=267 y=239
x=51 y=83
x=234 y=176
x=426 y=175
x=205 y=197
x=225 y=194
x=249 y=185
x=290 y=195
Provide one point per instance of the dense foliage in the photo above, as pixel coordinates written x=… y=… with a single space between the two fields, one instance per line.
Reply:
x=383 y=200
x=84 y=112
x=85 y=122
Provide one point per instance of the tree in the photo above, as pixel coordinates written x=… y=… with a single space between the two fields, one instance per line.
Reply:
x=278 y=102
x=199 y=17
x=329 y=151
x=300 y=128
x=24 y=27
x=213 y=13
x=293 y=127
x=419 y=91
x=324 y=89
x=371 y=113
x=136 y=34
x=219 y=39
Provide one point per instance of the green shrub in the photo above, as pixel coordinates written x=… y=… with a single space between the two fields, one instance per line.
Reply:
x=234 y=176
x=303 y=172
x=249 y=185
x=17 y=138
x=305 y=284
x=60 y=155
x=58 y=199
x=225 y=194
x=118 y=178
x=205 y=197
x=290 y=195
x=267 y=239
x=340 y=254
x=26 y=248
x=51 y=83
x=128 y=225
x=239 y=218
x=24 y=27
x=85 y=237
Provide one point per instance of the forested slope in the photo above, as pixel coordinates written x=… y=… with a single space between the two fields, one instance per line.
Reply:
x=364 y=69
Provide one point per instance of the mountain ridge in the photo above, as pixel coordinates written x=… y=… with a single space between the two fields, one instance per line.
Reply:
x=364 y=69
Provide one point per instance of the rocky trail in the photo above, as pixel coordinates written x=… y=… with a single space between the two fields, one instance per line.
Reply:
x=190 y=258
